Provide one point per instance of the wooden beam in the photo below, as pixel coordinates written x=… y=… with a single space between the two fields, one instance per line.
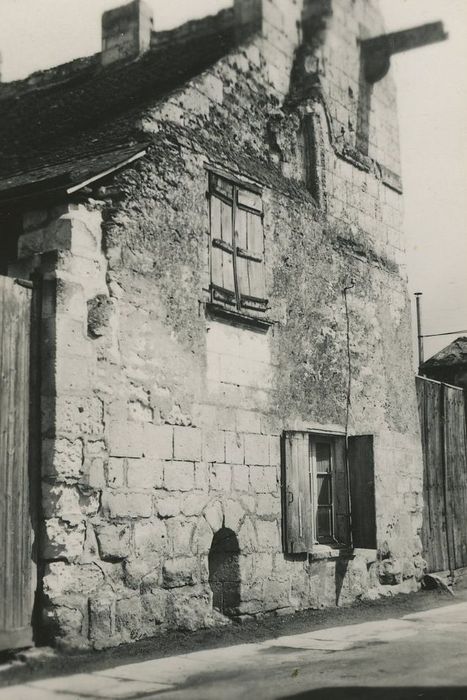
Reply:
x=378 y=50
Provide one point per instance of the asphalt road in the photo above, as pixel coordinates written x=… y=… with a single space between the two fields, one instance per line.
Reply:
x=421 y=655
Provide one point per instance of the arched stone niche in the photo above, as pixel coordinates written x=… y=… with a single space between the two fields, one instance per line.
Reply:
x=224 y=572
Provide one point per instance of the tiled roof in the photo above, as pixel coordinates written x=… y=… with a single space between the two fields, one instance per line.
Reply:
x=60 y=174
x=73 y=126
x=451 y=355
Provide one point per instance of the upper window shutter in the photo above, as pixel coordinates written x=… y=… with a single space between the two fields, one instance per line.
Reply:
x=250 y=256
x=298 y=525
x=222 y=273
x=362 y=491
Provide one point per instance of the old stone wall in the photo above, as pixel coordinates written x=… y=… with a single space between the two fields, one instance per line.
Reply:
x=161 y=422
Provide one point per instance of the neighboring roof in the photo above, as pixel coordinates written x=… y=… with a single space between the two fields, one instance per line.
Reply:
x=452 y=355
x=67 y=128
x=67 y=175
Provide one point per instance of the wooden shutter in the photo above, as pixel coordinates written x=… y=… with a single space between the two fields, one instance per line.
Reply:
x=362 y=491
x=341 y=494
x=250 y=252
x=298 y=515
x=222 y=269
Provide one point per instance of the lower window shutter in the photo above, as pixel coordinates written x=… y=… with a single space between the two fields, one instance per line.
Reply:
x=362 y=491
x=298 y=516
x=341 y=498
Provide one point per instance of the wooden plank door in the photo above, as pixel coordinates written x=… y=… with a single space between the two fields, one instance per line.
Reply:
x=17 y=574
x=434 y=532
x=456 y=475
x=444 y=443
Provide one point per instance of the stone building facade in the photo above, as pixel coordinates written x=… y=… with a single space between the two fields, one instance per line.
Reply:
x=195 y=382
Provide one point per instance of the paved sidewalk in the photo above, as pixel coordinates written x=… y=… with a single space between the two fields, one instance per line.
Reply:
x=419 y=655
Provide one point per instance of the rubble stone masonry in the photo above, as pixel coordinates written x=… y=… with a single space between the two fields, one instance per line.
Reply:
x=161 y=422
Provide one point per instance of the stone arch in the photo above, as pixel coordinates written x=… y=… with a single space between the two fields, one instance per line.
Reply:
x=224 y=571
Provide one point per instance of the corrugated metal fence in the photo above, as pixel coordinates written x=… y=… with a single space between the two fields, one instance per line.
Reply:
x=17 y=574
x=444 y=441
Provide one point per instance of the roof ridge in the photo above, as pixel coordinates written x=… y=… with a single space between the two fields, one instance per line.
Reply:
x=44 y=78
x=80 y=67
x=47 y=129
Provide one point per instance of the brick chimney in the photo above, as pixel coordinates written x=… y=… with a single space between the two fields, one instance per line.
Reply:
x=126 y=32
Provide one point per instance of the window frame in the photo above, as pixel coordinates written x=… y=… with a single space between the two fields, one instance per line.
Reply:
x=235 y=302
x=300 y=492
x=354 y=493
x=313 y=440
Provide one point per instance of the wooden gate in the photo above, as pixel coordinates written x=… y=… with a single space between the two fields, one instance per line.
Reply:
x=444 y=442
x=17 y=571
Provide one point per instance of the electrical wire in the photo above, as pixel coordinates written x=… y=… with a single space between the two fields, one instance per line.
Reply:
x=437 y=335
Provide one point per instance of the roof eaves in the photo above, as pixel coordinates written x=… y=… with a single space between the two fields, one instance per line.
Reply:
x=104 y=173
x=64 y=184
x=32 y=189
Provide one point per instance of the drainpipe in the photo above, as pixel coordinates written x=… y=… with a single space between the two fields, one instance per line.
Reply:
x=421 y=355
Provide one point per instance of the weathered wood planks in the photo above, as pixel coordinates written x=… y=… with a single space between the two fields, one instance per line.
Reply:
x=297 y=497
x=362 y=491
x=16 y=570
x=444 y=442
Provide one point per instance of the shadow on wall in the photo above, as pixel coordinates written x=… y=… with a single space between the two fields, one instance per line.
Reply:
x=342 y=566
x=224 y=572
x=399 y=693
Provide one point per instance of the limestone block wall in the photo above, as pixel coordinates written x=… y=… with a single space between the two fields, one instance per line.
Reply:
x=162 y=423
x=363 y=115
x=150 y=449
x=360 y=244
x=360 y=165
x=278 y=24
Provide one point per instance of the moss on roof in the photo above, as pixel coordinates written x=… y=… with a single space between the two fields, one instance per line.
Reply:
x=53 y=127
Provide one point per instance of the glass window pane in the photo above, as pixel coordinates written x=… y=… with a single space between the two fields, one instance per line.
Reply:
x=323 y=457
x=324 y=490
x=324 y=523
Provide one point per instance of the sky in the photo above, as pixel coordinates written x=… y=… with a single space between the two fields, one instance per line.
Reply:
x=432 y=89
